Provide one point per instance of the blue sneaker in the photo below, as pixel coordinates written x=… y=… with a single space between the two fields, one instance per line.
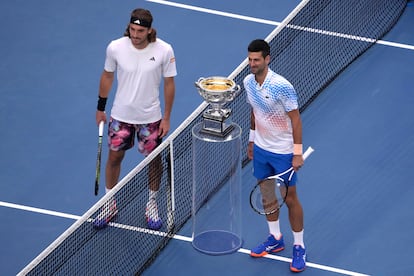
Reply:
x=299 y=259
x=272 y=245
x=107 y=213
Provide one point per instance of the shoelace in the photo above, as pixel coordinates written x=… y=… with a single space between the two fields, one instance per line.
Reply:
x=297 y=254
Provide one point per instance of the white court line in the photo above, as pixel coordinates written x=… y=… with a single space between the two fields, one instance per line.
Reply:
x=396 y=45
x=177 y=237
x=275 y=23
x=216 y=12
x=38 y=210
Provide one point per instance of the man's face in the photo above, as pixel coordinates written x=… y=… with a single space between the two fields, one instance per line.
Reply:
x=257 y=62
x=139 y=35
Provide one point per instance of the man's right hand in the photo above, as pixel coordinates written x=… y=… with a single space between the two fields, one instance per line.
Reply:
x=100 y=116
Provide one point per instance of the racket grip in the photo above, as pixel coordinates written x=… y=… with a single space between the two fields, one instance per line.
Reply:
x=308 y=152
x=101 y=128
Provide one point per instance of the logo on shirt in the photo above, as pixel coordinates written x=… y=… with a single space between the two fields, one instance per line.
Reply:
x=153 y=58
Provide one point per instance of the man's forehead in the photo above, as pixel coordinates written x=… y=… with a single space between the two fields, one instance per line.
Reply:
x=255 y=55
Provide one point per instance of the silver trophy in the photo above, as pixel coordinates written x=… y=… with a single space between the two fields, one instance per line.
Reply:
x=217 y=91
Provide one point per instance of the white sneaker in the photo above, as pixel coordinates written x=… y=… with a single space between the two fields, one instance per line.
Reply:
x=151 y=214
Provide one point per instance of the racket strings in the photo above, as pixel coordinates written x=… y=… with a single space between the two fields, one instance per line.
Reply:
x=269 y=199
x=268 y=196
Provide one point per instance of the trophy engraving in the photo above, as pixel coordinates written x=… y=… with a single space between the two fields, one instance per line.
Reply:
x=217 y=91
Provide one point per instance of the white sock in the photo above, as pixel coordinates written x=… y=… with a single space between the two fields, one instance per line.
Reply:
x=298 y=238
x=152 y=195
x=107 y=190
x=274 y=229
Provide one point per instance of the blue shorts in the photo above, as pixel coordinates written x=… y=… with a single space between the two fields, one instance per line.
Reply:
x=121 y=136
x=267 y=163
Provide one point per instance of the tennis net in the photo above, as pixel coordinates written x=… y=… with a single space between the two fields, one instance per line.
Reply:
x=316 y=42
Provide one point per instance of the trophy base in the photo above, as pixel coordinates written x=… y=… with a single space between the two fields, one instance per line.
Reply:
x=219 y=128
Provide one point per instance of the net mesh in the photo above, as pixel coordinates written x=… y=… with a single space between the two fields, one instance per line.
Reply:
x=312 y=46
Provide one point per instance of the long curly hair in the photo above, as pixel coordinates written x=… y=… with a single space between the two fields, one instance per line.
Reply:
x=144 y=15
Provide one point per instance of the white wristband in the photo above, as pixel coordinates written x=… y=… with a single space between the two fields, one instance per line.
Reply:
x=251 y=135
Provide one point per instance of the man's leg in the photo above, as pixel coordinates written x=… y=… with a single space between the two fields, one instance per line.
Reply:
x=113 y=167
x=148 y=140
x=274 y=242
x=295 y=210
x=155 y=173
x=120 y=138
x=109 y=210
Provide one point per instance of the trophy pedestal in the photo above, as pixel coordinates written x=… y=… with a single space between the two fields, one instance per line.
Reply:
x=216 y=209
x=216 y=125
x=216 y=193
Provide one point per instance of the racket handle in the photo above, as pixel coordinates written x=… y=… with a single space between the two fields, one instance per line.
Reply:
x=101 y=128
x=308 y=152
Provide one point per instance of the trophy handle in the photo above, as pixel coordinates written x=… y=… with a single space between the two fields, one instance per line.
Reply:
x=197 y=82
x=237 y=89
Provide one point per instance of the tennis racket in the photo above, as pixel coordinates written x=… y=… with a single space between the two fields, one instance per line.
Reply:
x=269 y=194
x=98 y=159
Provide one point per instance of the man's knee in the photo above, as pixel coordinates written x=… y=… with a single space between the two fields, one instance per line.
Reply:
x=115 y=158
x=292 y=199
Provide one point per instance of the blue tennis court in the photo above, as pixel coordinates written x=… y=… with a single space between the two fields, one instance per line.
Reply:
x=356 y=188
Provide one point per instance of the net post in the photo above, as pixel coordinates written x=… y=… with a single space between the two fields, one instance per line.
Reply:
x=170 y=190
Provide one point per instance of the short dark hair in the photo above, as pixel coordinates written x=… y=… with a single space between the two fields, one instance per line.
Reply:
x=259 y=45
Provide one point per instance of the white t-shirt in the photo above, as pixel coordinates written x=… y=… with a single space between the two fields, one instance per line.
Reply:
x=139 y=74
x=270 y=102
